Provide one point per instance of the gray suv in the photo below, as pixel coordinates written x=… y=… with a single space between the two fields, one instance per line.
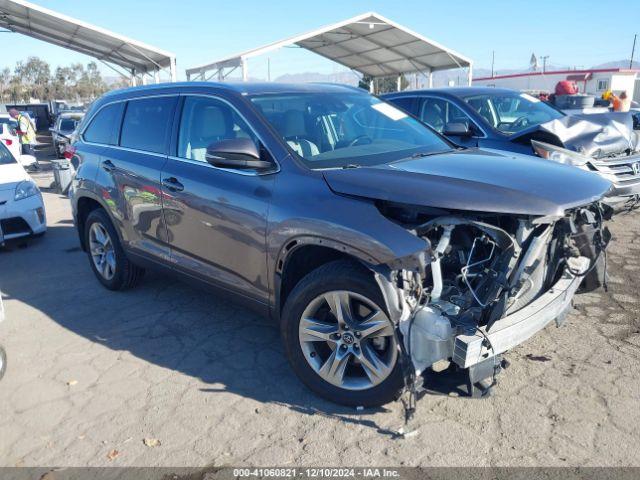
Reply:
x=379 y=247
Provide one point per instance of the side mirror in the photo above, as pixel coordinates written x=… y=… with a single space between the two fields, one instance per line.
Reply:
x=456 y=129
x=239 y=153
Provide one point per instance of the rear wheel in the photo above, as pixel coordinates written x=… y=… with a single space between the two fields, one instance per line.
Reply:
x=106 y=256
x=339 y=338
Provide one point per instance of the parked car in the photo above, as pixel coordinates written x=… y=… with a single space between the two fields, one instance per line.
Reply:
x=509 y=120
x=364 y=233
x=9 y=137
x=9 y=134
x=64 y=127
x=22 y=213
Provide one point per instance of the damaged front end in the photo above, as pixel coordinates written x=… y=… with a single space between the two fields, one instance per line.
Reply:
x=486 y=282
x=606 y=144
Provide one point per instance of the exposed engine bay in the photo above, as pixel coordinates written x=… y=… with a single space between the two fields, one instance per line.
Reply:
x=480 y=272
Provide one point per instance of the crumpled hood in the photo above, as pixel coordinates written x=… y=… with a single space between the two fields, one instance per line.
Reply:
x=474 y=180
x=11 y=175
x=595 y=135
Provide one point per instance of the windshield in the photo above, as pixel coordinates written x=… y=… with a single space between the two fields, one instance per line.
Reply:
x=333 y=130
x=5 y=156
x=512 y=112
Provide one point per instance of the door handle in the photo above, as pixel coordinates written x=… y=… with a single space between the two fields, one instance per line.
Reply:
x=172 y=184
x=108 y=166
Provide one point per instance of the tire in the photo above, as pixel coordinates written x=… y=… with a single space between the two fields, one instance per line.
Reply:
x=124 y=274
x=338 y=276
x=3 y=362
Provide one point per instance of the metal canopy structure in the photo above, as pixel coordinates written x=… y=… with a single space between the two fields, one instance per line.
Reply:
x=369 y=44
x=110 y=48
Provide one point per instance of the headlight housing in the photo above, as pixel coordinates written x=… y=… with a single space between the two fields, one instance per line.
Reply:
x=559 y=154
x=26 y=189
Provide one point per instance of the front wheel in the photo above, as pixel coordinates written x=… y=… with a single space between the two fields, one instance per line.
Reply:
x=339 y=338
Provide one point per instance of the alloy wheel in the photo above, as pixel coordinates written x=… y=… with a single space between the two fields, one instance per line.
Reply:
x=102 y=252
x=348 y=340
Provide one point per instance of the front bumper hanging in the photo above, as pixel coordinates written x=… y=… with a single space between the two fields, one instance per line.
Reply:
x=518 y=327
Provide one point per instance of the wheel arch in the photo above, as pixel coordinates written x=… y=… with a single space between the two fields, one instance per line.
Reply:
x=85 y=204
x=302 y=255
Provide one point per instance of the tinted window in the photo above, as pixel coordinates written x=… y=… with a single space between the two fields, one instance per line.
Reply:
x=436 y=113
x=105 y=125
x=205 y=121
x=146 y=124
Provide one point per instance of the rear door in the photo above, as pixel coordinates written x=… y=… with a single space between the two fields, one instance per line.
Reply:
x=132 y=171
x=216 y=218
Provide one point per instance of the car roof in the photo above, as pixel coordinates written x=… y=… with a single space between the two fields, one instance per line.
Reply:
x=459 y=92
x=244 y=88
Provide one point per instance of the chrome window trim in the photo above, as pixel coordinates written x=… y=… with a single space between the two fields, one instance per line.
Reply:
x=174 y=157
x=144 y=97
x=246 y=173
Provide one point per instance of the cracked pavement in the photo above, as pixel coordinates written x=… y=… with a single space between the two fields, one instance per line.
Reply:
x=92 y=371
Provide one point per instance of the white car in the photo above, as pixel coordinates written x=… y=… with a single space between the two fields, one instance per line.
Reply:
x=9 y=135
x=10 y=139
x=22 y=211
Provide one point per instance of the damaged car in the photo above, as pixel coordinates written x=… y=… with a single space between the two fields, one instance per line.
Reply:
x=503 y=119
x=378 y=246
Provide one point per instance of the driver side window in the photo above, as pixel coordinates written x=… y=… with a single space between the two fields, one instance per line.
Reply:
x=206 y=120
x=437 y=113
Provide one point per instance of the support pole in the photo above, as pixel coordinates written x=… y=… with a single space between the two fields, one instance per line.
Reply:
x=470 y=75
x=156 y=76
x=245 y=70
x=134 y=81
x=430 y=79
x=399 y=86
x=371 y=86
x=172 y=69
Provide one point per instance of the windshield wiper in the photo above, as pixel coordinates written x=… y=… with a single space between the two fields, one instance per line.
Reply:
x=429 y=154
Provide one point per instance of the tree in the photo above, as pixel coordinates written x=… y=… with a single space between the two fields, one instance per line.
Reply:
x=5 y=79
x=32 y=79
x=35 y=74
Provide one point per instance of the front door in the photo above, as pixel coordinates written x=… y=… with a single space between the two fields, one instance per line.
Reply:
x=216 y=218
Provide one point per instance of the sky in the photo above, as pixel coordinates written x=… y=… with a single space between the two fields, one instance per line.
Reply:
x=571 y=32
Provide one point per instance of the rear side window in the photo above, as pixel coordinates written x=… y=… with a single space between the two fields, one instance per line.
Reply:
x=146 y=124
x=105 y=125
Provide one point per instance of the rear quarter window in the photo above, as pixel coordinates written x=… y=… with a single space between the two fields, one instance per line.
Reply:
x=105 y=125
x=146 y=124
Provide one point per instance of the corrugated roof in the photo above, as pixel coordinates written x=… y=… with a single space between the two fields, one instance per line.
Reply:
x=369 y=43
x=52 y=27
